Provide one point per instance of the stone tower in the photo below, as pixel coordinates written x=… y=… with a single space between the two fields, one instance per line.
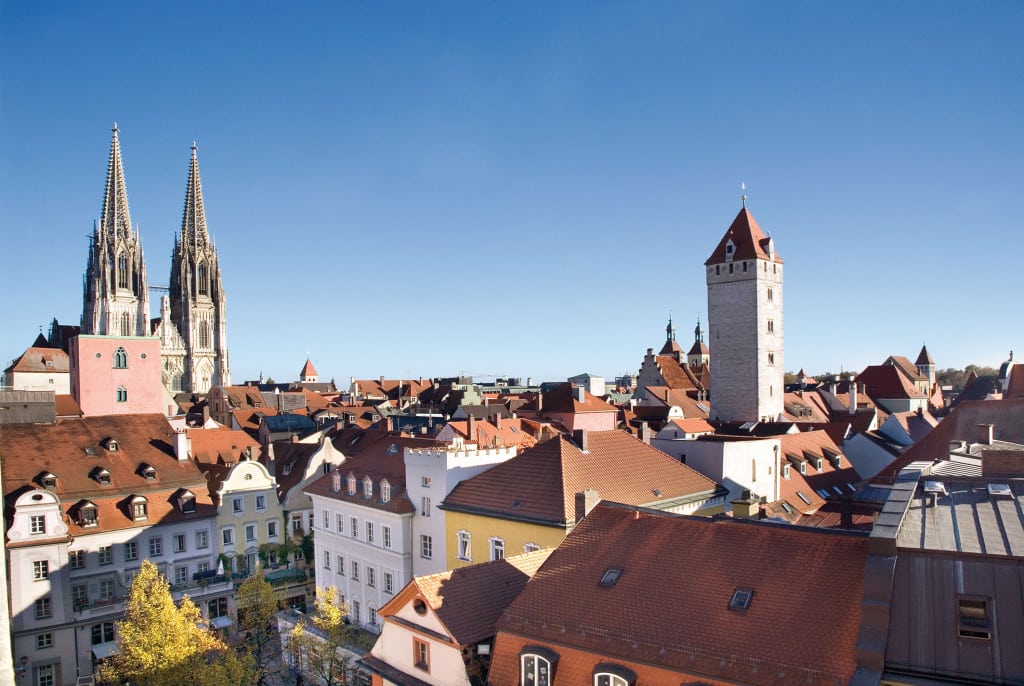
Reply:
x=116 y=295
x=744 y=279
x=198 y=305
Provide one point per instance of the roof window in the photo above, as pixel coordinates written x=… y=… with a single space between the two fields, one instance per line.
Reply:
x=88 y=514
x=49 y=481
x=999 y=490
x=740 y=599
x=102 y=476
x=392 y=449
x=148 y=472
x=111 y=445
x=610 y=577
x=187 y=502
x=800 y=494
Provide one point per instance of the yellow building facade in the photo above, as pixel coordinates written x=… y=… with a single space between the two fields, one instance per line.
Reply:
x=471 y=538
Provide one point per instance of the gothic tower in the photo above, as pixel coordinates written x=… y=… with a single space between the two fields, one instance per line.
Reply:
x=116 y=295
x=744 y=279
x=198 y=307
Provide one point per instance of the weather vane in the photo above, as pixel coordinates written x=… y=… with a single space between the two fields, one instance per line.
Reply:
x=743 y=198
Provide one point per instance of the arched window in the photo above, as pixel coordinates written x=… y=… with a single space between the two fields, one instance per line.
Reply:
x=536 y=666
x=120 y=359
x=613 y=675
x=126 y=324
x=122 y=271
x=122 y=394
x=204 y=334
x=202 y=279
x=139 y=509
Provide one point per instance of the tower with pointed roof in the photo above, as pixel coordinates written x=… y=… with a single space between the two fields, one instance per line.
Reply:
x=115 y=292
x=198 y=304
x=699 y=354
x=926 y=365
x=671 y=347
x=308 y=373
x=744 y=281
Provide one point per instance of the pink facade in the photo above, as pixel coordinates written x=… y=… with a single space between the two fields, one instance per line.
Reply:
x=116 y=374
x=589 y=421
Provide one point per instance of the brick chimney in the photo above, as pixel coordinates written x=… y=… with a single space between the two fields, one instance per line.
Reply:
x=585 y=502
x=497 y=420
x=471 y=430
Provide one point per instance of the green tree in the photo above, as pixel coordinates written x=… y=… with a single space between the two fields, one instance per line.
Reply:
x=317 y=646
x=257 y=605
x=163 y=644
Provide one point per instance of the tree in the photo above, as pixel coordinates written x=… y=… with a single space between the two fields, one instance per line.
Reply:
x=257 y=605
x=163 y=644
x=318 y=647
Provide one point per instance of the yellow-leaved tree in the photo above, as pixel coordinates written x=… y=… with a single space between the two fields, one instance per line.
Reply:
x=163 y=644
x=317 y=647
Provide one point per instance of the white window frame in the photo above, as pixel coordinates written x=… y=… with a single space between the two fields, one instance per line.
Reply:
x=464 y=546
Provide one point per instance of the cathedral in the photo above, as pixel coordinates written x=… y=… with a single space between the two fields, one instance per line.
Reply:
x=192 y=326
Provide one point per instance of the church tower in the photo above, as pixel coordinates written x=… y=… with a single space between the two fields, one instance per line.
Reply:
x=699 y=354
x=116 y=295
x=744 y=280
x=197 y=299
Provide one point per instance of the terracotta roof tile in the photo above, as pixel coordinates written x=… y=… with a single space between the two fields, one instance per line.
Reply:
x=46 y=360
x=66 y=406
x=749 y=241
x=681 y=621
x=887 y=381
x=808 y=445
x=540 y=484
x=308 y=369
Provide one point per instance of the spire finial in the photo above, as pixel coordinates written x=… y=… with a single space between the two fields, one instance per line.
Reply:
x=115 y=128
x=193 y=146
x=743 y=198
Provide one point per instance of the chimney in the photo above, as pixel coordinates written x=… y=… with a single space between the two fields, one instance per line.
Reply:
x=666 y=394
x=645 y=433
x=540 y=401
x=182 y=445
x=853 y=395
x=585 y=502
x=846 y=513
x=471 y=430
x=497 y=420
x=746 y=506
x=206 y=412
x=581 y=439
x=581 y=394
x=985 y=433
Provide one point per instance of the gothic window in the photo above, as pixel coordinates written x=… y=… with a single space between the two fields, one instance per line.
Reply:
x=202 y=280
x=120 y=359
x=126 y=324
x=122 y=271
x=122 y=394
x=204 y=334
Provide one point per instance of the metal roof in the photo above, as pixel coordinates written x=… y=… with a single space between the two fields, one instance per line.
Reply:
x=967 y=520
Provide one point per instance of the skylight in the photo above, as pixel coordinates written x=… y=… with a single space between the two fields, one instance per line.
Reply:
x=610 y=577
x=741 y=598
x=999 y=490
x=800 y=494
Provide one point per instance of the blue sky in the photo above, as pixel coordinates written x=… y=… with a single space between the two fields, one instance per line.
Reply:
x=526 y=188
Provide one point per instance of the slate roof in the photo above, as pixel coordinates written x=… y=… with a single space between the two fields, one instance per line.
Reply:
x=540 y=484
x=670 y=605
x=749 y=240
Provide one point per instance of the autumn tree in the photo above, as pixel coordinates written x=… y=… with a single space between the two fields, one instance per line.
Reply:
x=163 y=644
x=317 y=646
x=257 y=605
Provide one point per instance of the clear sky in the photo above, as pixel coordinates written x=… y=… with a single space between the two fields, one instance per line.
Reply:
x=526 y=188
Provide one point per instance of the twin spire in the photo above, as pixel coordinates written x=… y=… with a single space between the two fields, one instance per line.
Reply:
x=193 y=220
x=115 y=221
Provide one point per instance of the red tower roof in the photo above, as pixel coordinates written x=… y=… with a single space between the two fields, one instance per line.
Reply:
x=749 y=242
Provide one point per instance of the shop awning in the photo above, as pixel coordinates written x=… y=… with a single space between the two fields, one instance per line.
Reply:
x=104 y=650
x=221 y=622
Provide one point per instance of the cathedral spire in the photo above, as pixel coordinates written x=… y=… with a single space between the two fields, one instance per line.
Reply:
x=115 y=220
x=193 y=221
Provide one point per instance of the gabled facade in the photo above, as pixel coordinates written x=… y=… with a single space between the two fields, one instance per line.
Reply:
x=40 y=368
x=116 y=294
x=744 y=282
x=198 y=303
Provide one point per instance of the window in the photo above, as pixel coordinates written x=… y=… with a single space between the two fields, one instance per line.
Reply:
x=106 y=554
x=228 y=535
x=79 y=596
x=106 y=590
x=250 y=533
x=204 y=334
x=103 y=477
x=139 y=510
x=771 y=326
x=237 y=505
x=327 y=520
x=530 y=547
x=120 y=359
x=426 y=547
x=218 y=607
x=327 y=559
x=43 y=609
x=341 y=565
x=202 y=540
x=202 y=282
x=771 y=293
x=371 y=577
x=156 y=547
x=87 y=515
x=372 y=612
x=296 y=522
x=367 y=488
x=261 y=503
x=425 y=507
x=369 y=532
x=355 y=571
x=203 y=567
x=272 y=529
x=181 y=574
x=497 y=549
x=122 y=272
x=355 y=528
x=44 y=641
x=356 y=614
x=37 y=524
x=102 y=633
x=385 y=491
x=613 y=675
x=741 y=598
x=122 y=394
x=389 y=582
x=351 y=484
x=188 y=504
x=76 y=559
x=421 y=654
x=610 y=577
x=465 y=548
x=771 y=358
x=41 y=570
x=46 y=675
x=425 y=482
x=341 y=523
x=385 y=532
x=535 y=670
x=974 y=622
x=131 y=551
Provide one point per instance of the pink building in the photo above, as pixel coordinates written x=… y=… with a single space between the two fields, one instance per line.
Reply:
x=117 y=375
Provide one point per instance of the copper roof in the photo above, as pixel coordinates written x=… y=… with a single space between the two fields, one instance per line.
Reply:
x=540 y=484
x=669 y=607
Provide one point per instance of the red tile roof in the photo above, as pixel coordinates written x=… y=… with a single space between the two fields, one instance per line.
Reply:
x=540 y=484
x=749 y=241
x=669 y=608
x=51 y=360
x=676 y=374
x=513 y=431
x=222 y=445
x=923 y=357
x=66 y=406
x=887 y=381
x=809 y=445
x=308 y=369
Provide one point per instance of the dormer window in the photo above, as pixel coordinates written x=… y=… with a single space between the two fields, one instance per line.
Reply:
x=187 y=502
x=803 y=468
x=88 y=515
x=385 y=491
x=730 y=250
x=102 y=476
x=819 y=463
x=335 y=481
x=148 y=472
x=49 y=481
x=351 y=484
x=785 y=471
x=367 y=488
x=139 y=509
x=112 y=445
